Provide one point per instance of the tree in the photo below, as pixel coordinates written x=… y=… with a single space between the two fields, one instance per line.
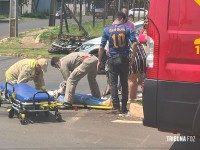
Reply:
x=35 y=5
x=21 y=3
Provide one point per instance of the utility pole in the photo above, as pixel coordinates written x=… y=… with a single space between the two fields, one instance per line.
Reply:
x=105 y=13
x=80 y=14
x=93 y=12
x=52 y=13
x=61 y=17
x=74 y=7
x=13 y=19
x=65 y=16
x=119 y=5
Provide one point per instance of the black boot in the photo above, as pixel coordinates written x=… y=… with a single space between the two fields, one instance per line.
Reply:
x=116 y=109
x=124 y=109
x=67 y=105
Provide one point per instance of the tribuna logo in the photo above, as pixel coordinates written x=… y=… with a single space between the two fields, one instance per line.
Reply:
x=180 y=138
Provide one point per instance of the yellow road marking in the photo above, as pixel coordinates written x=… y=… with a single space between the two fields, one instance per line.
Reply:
x=127 y=121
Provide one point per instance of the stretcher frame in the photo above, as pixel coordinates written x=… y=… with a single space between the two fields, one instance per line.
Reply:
x=86 y=105
x=21 y=109
x=5 y=98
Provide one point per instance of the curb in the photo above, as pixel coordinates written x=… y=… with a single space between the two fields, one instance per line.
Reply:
x=136 y=110
x=4 y=20
x=7 y=20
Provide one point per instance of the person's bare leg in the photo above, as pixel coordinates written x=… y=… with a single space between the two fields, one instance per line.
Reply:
x=107 y=90
x=140 y=82
x=108 y=87
x=132 y=86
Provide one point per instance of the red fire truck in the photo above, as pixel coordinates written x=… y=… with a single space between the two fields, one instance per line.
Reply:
x=171 y=98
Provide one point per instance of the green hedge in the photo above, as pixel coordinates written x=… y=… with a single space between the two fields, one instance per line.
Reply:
x=36 y=15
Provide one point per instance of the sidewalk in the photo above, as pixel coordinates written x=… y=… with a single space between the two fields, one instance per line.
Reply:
x=4 y=20
x=136 y=110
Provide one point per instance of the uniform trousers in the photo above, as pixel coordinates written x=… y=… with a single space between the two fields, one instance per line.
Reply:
x=87 y=67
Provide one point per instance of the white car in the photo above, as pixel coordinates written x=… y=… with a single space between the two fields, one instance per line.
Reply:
x=58 y=14
x=92 y=45
x=137 y=12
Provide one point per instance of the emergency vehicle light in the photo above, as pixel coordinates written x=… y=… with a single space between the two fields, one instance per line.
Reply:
x=152 y=61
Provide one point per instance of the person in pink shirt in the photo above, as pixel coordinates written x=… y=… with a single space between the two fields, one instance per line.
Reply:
x=143 y=38
x=128 y=22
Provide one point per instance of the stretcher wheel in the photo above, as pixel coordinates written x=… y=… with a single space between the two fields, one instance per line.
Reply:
x=22 y=118
x=11 y=112
x=58 y=116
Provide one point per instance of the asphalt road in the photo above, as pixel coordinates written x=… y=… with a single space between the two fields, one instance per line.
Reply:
x=82 y=129
x=25 y=25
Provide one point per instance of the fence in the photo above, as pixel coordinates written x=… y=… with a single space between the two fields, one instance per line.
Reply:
x=95 y=10
x=103 y=10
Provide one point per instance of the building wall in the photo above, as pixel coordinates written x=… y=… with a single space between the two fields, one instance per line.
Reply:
x=26 y=8
x=44 y=6
x=4 y=7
